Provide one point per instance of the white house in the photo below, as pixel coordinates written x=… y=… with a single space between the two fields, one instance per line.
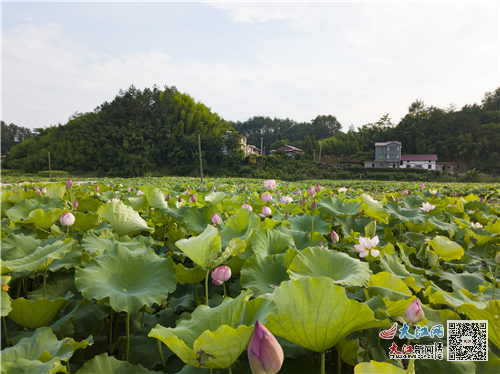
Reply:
x=427 y=162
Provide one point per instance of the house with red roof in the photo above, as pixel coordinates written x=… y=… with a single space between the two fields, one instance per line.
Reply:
x=289 y=149
x=388 y=155
x=427 y=162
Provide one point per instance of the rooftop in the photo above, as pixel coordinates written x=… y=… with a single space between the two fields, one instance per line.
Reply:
x=419 y=157
x=387 y=143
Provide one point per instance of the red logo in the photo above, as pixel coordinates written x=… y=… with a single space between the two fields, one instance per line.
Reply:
x=389 y=334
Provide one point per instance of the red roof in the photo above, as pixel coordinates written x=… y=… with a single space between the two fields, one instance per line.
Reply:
x=287 y=147
x=386 y=143
x=419 y=157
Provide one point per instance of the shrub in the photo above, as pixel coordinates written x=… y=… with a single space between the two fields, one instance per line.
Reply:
x=55 y=173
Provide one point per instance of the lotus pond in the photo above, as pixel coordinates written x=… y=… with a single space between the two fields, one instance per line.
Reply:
x=170 y=275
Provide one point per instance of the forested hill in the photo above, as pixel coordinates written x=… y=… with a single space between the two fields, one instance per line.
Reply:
x=137 y=132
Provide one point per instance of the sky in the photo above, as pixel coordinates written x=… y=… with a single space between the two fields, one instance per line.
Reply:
x=357 y=61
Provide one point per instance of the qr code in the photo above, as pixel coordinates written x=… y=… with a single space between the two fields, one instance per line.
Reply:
x=467 y=340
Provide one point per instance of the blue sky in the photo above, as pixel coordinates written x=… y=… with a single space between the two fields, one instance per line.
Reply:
x=357 y=61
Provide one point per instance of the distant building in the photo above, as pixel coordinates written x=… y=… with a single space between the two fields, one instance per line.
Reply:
x=387 y=155
x=242 y=143
x=290 y=150
x=427 y=162
x=446 y=166
x=252 y=150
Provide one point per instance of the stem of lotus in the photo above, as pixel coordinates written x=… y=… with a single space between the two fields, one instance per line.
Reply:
x=485 y=248
x=5 y=331
x=111 y=327
x=494 y=282
x=230 y=371
x=379 y=336
x=411 y=366
x=142 y=319
x=44 y=282
x=67 y=367
x=224 y=288
x=160 y=353
x=128 y=337
x=67 y=231
x=367 y=345
x=339 y=360
x=206 y=287
x=312 y=226
x=323 y=363
x=151 y=362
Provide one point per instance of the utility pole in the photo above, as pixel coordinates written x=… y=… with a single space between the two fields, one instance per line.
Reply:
x=199 y=152
x=261 y=145
x=314 y=154
x=319 y=152
x=264 y=151
x=50 y=170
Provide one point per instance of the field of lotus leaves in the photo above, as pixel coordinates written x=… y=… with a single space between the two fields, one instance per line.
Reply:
x=171 y=275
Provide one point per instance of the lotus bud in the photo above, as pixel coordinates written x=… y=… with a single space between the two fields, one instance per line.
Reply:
x=96 y=188
x=67 y=219
x=321 y=244
x=422 y=187
x=38 y=192
x=75 y=204
x=69 y=183
x=286 y=199
x=189 y=188
x=454 y=194
x=129 y=188
x=213 y=188
x=187 y=193
x=44 y=190
x=335 y=237
x=299 y=192
x=179 y=199
x=25 y=189
x=265 y=354
x=247 y=207
x=414 y=313
x=311 y=191
x=215 y=219
x=266 y=198
x=481 y=199
x=266 y=211
x=287 y=215
x=168 y=197
x=193 y=199
x=314 y=206
x=318 y=188
x=497 y=258
x=304 y=201
x=244 y=188
x=405 y=192
x=221 y=275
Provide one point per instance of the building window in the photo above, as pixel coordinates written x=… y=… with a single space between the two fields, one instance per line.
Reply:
x=380 y=164
x=380 y=157
x=392 y=156
x=408 y=166
x=393 y=148
x=429 y=166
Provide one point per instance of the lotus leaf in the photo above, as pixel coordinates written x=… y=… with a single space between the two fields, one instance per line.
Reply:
x=239 y=226
x=470 y=281
x=394 y=291
x=16 y=246
x=321 y=262
x=374 y=367
x=491 y=313
x=262 y=274
x=187 y=275
x=202 y=249
x=5 y=303
x=405 y=215
x=309 y=223
x=391 y=264
x=374 y=209
x=197 y=219
x=332 y=207
x=40 y=258
x=325 y=317
x=104 y=364
x=123 y=218
x=352 y=224
x=446 y=249
x=215 y=198
x=85 y=222
x=155 y=197
x=267 y=242
x=215 y=337
x=129 y=279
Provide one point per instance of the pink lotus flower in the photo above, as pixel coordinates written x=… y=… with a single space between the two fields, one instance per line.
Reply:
x=414 y=313
x=318 y=188
x=266 y=198
x=213 y=188
x=139 y=193
x=311 y=191
x=44 y=190
x=299 y=192
x=265 y=211
x=75 y=204
x=69 y=183
x=422 y=187
x=366 y=245
x=405 y=192
x=335 y=237
x=215 y=219
x=285 y=200
x=427 y=207
x=67 y=219
x=96 y=188
x=193 y=199
x=38 y=192
x=129 y=188
x=221 y=275
x=270 y=184
x=247 y=207
x=265 y=354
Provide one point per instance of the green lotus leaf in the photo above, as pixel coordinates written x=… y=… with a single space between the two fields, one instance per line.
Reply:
x=38 y=313
x=395 y=293
x=23 y=366
x=215 y=198
x=352 y=224
x=234 y=247
x=202 y=249
x=137 y=203
x=332 y=207
x=155 y=197
x=44 y=219
x=239 y=226
x=215 y=337
x=123 y=218
x=267 y=242
x=445 y=366
x=16 y=246
x=88 y=205
x=40 y=258
x=493 y=228
x=191 y=276
x=72 y=259
x=469 y=281
x=56 y=191
x=309 y=224
x=21 y=210
x=491 y=313
x=304 y=240
x=412 y=201
x=104 y=364
x=446 y=249
x=415 y=238
x=374 y=367
x=85 y=222
x=440 y=297
x=492 y=366
x=452 y=228
x=391 y=264
x=6 y=303
x=374 y=209
x=262 y=274
x=197 y=219
x=326 y=315
x=406 y=215
x=129 y=279
x=321 y=262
